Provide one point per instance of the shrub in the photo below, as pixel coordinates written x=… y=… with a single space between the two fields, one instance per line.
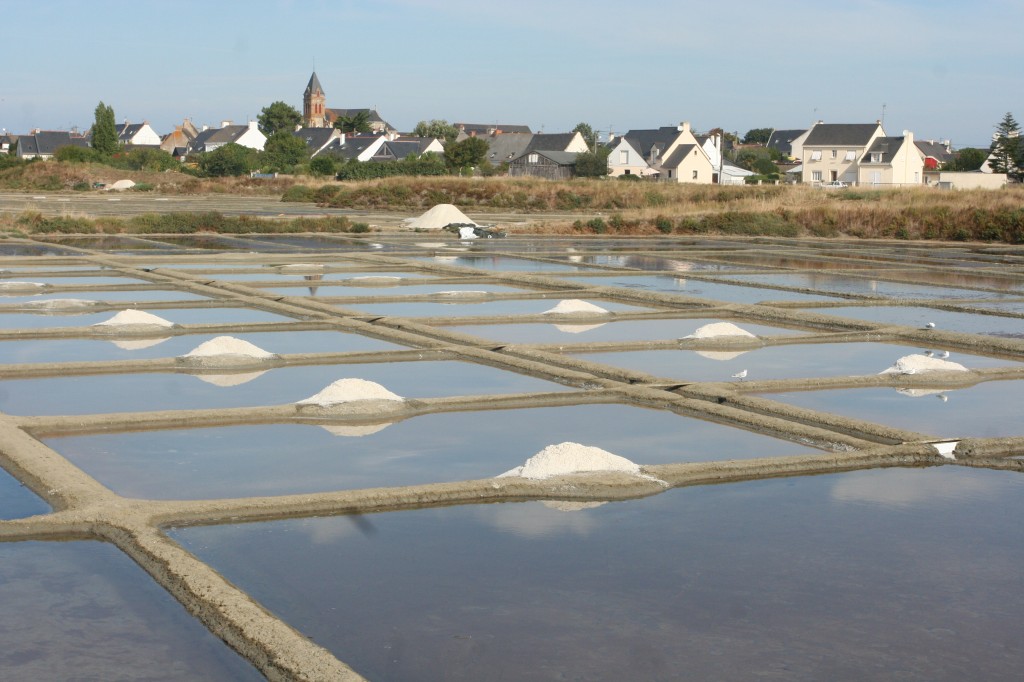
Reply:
x=322 y=165
x=297 y=193
x=663 y=224
x=360 y=227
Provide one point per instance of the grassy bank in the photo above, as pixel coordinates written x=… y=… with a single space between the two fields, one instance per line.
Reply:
x=176 y=223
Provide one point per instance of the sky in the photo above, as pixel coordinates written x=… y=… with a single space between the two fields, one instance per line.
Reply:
x=943 y=69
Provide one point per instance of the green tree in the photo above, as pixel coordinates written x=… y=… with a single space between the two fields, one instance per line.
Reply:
x=469 y=152
x=358 y=122
x=967 y=159
x=589 y=136
x=438 y=127
x=104 y=130
x=592 y=164
x=229 y=159
x=322 y=165
x=282 y=152
x=1006 y=149
x=75 y=154
x=757 y=136
x=278 y=117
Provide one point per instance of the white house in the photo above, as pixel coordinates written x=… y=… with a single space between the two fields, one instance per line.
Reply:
x=137 y=134
x=892 y=162
x=832 y=151
x=625 y=159
x=212 y=138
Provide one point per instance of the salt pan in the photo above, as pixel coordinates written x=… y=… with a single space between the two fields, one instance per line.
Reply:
x=350 y=390
x=716 y=329
x=919 y=364
x=60 y=303
x=574 y=305
x=22 y=286
x=354 y=430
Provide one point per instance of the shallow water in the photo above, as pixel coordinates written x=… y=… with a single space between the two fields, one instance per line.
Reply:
x=500 y=263
x=280 y=459
x=841 y=577
x=487 y=308
x=180 y=391
x=140 y=295
x=271 y=274
x=856 y=285
x=17 y=501
x=775 y=362
x=84 y=611
x=42 y=319
x=325 y=289
x=714 y=291
x=988 y=410
x=990 y=325
x=72 y=280
x=622 y=331
x=82 y=350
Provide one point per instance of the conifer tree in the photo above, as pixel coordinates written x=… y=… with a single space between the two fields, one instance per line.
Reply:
x=104 y=130
x=1007 y=148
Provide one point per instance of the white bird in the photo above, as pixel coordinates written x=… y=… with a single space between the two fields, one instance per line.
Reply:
x=929 y=325
x=943 y=397
x=943 y=355
x=741 y=375
x=929 y=353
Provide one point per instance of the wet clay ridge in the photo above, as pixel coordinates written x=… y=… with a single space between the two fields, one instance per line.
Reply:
x=987 y=280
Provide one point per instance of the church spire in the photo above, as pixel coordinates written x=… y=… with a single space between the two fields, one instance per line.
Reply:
x=314 y=104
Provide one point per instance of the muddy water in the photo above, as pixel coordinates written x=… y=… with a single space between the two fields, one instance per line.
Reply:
x=841 y=577
x=294 y=458
x=84 y=611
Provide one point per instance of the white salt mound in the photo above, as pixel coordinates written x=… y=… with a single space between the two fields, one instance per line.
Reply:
x=132 y=317
x=438 y=217
x=301 y=267
x=228 y=345
x=574 y=305
x=716 y=329
x=350 y=390
x=468 y=292
x=121 y=185
x=22 y=286
x=60 y=303
x=571 y=458
x=918 y=364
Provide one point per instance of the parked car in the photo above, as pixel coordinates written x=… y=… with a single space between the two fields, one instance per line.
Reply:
x=835 y=184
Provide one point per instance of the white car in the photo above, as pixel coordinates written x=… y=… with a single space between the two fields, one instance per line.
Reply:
x=835 y=184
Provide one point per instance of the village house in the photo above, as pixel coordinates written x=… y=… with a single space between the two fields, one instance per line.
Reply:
x=137 y=134
x=482 y=129
x=399 y=148
x=210 y=139
x=832 y=151
x=547 y=164
x=176 y=143
x=891 y=162
x=316 y=114
x=43 y=144
x=658 y=152
x=788 y=143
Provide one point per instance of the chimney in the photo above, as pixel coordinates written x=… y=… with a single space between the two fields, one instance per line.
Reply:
x=683 y=127
x=908 y=137
x=252 y=125
x=225 y=124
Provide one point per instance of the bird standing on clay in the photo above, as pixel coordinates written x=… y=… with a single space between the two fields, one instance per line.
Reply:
x=741 y=375
x=930 y=325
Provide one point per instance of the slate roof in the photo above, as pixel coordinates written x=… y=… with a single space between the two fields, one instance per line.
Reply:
x=353 y=146
x=46 y=142
x=507 y=146
x=887 y=146
x=489 y=128
x=643 y=140
x=314 y=84
x=840 y=134
x=677 y=156
x=315 y=138
x=217 y=136
x=553 y=141
x=556 y=156
x=782 y=140
x=126 y=131
x=935 y=150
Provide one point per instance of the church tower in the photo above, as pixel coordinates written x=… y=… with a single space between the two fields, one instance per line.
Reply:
x=314 y=104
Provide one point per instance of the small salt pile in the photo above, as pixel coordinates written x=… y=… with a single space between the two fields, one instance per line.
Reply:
x=350 y=390
x=301 y=267
x=571 y=458
x=469 y=292
x=919 y=364
x=717 y=329
x=574 y=305
x=135 y=318
x=373 y=279
x=9 y=287
x=222 y=346
x=60 y=303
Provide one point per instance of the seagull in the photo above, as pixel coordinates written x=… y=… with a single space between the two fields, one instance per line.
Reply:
x=741 y=375
x=929 y=325
x=929 y=353
x=943 y=355
x=943 y=397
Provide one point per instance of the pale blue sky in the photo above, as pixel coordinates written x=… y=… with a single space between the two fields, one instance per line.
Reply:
x=943 y=69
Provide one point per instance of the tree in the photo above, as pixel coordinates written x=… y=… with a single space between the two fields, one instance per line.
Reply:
x=277 y=117
x=322 y=165
x=358 y=122
x=469 y=152
x=1006 y=149
x=282 y=152
x=589 y=136
x=229 y=159
x=592 y=164
x=757 y=136
x=967 y=159
x=438 y=127
x=104 y=130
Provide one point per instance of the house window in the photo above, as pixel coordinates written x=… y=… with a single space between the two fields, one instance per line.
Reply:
x=816 y=176
x=816 y=155
x=694 y=175
x=851 y=155
x=670 y=174
x=876 y=157
x=624 y=156
x=835 y=153
x=533 y=158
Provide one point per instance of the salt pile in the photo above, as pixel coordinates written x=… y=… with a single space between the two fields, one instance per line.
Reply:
x=462 y=293
x=22 y=286
x=228 y=346
x=439 y=217
x=571 y=458
x=121 y=185
x=60 y=303
x=574 y=306
x=919 y=364
x=717 y=329
x=301 y=267
x=135 y=318
x=350 y=390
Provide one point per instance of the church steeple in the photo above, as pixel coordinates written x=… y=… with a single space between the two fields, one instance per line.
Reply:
x=314 y=104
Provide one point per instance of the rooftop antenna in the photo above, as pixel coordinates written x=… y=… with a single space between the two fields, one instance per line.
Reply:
x=883 y=114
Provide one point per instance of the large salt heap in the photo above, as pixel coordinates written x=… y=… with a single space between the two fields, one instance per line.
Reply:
x=225 y=351
x=439 y=217
x=132 y=320
x=920 y=364
x=574 y=306
x=571 y=458
x=350 y=390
